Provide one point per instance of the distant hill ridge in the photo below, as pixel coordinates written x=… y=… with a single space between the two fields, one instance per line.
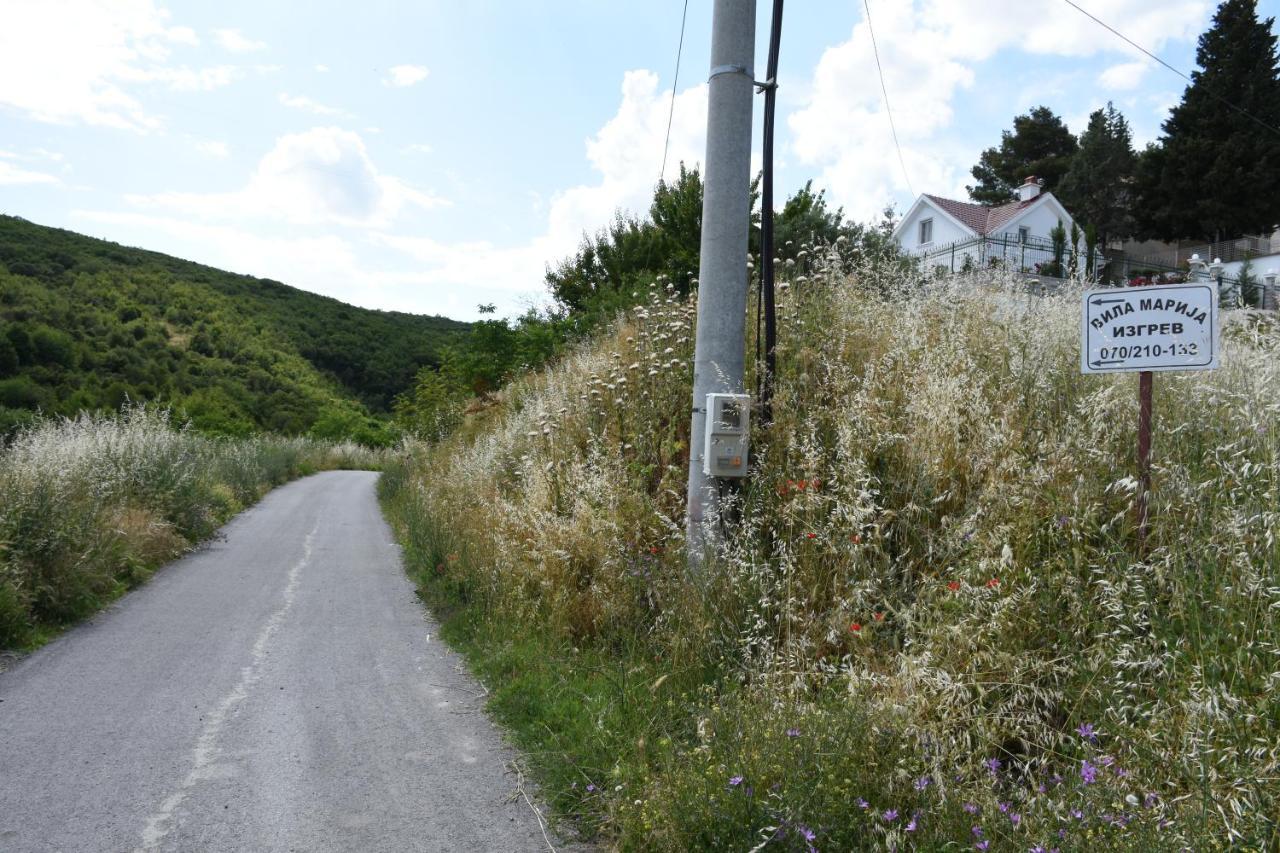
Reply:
x=86 y=324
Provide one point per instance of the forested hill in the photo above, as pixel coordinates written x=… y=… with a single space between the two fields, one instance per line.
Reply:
x=86 y=323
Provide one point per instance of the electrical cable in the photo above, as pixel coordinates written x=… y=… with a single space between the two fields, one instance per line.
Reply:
x=675 y=80
x=887 y=109
x=1136 y=46
x=770 y=89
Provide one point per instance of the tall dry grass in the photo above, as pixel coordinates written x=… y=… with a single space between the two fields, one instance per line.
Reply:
x=927 y=626
x=90 y=506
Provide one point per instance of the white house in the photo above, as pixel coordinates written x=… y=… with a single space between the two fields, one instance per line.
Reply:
x=956 y=234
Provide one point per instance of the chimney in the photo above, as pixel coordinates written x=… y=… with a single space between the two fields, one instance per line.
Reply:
x=1030 y=189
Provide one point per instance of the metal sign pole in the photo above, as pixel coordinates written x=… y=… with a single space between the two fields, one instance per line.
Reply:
x=1142 y=509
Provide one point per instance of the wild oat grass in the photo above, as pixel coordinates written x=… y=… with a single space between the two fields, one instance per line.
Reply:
x=91 y=506
x=928 y=628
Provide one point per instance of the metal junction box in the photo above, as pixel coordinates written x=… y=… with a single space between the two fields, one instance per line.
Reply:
x=724 y=453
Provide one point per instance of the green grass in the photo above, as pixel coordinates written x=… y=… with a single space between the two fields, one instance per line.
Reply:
x=933 y=569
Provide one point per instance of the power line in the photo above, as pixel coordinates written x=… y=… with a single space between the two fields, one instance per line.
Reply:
x=675 y=80
x=1138 y=47
x=888 y=111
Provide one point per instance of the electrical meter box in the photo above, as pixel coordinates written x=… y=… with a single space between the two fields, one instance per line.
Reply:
x=724 y=453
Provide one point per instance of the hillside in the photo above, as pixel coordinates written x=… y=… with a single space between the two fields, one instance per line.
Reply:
x=87 y=323
x=928 y=628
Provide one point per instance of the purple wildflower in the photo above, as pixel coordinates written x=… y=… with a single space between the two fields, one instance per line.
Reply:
x=735 y=781
x=793 y=733
x=591 y=789
x=1015 y=819
x=1077 y=814
x=992 y=764
x=861 y=803
x=971 y=808
x=1039 y=848
x=977 y=831
x=1063 y=520
x=1088 y=772
x=1086 y=731
x=1150 y=800
x=911 y=827
x=1004 y=807
x=922 y=783
x=890 y=816
x=1106 y=760
x=982 y=845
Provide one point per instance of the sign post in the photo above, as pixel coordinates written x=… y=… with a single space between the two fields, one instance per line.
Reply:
x=1145 y=330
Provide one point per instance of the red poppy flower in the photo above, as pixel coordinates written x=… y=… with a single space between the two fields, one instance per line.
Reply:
x=855 y=627
x=953 y=585
x=812 y=535
x=878 y=616
x=994 y=582
x=855 y=539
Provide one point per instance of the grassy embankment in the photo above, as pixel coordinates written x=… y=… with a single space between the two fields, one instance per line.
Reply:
x=929 y=629
x=90 y=507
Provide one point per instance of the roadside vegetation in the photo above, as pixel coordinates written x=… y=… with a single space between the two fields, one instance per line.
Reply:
x=90 y=507
x=927 y=628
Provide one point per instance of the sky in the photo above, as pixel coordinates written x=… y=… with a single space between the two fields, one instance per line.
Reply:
x=434 y=156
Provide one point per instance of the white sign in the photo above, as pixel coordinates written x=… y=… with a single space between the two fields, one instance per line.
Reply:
x=1166 y=327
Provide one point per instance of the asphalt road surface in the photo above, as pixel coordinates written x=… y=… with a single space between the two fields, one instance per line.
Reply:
x=278 y=689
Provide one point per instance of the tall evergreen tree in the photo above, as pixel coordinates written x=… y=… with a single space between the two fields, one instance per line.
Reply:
x=1098 y=188
x=1216 y=172
x=1039 y=144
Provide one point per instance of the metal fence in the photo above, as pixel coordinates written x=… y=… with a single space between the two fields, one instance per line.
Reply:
x=1008 y=251
x=1035 y=256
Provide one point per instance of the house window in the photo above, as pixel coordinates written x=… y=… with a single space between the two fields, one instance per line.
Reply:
x=926 y=231
x=1023 y=234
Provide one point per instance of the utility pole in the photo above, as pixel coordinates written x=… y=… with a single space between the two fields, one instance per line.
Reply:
x=720 y=351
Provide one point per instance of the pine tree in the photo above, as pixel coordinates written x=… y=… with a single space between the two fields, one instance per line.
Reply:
x=1039 y=144
x=1098 y=187
x=1216 y=172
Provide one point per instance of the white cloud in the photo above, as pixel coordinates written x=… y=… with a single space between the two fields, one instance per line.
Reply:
x=323 y=175
x=930 y=50
x=1125 y=76
x=236 y=42
x=627 y=155
x=186 y=79
x=406 y=75
x=418 y=148
x=301 y=102
x=321 y=68
x=74 y=61
x=11 y=175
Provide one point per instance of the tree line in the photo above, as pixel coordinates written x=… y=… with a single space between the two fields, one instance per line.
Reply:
x=1213 y=174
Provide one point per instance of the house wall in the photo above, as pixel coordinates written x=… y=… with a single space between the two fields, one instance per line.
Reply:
x=1258 y=266
x=944 y=230
x=1040 y=219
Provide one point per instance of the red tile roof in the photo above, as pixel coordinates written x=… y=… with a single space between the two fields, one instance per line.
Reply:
x=980 y=219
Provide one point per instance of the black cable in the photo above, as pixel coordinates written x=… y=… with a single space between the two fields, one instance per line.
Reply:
x=766 y=221
x=1132 y=43
x=893 y=128
x=675 y=80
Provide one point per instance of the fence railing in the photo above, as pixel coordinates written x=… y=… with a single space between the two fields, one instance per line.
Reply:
x=1035 y=255
x=1028 y=255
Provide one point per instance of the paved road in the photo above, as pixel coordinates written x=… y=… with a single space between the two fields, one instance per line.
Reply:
x=280 y=689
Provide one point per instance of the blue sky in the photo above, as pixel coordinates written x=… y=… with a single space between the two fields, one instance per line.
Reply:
x=431 y=156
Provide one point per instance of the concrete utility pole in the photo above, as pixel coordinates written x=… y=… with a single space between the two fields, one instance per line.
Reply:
x=720 y=351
